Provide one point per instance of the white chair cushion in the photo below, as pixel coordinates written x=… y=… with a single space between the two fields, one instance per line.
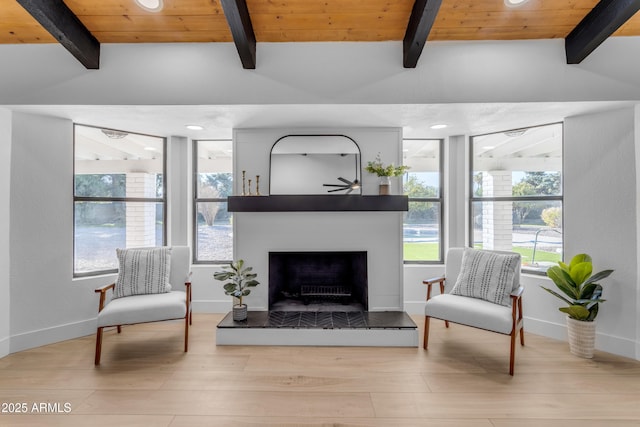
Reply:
x=471 y=312
x=180 y=267
x=143 y=308
x=487 y=275
x=142 y=271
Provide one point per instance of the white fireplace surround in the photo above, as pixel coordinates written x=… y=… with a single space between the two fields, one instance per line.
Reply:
x=378 y=233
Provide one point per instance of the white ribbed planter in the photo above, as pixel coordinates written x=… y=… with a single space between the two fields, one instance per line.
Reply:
x=240 y=312
x=582 y=337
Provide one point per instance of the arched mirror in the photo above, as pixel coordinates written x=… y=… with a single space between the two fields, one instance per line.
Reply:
x=315 y=164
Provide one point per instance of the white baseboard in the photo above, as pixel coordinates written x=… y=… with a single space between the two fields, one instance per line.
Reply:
x=4 y=347
x=27 y=340
x=608 y=343
x=40 y=337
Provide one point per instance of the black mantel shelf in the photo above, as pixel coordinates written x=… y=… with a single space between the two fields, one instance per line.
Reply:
x=317 y=203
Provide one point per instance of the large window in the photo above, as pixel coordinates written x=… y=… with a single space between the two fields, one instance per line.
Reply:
x=212 y=185
x=422 y=234
x=516 y=194
x=119 y=196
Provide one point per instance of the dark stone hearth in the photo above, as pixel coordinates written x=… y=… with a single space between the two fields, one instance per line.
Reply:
x=322 y=320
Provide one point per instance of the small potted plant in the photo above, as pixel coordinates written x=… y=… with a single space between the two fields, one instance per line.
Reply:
x=384 y=172
x=238 y=280
x=582 y=294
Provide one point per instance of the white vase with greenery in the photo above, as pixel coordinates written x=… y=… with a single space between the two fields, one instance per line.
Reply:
x=385 y=172
x=582 y=294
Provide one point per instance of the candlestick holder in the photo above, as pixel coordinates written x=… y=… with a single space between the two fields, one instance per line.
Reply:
x=244 y=192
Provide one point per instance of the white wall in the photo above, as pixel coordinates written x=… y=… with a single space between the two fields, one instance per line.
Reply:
x=5 y=229
x=637 y=159
x=600 y=216
x=320 y=73
x=46 y=304
x=178 y=197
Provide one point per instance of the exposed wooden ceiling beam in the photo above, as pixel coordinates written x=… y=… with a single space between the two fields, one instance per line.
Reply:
x=239 y=21
x=65 y=27
x=603 y=20
x=421 y=20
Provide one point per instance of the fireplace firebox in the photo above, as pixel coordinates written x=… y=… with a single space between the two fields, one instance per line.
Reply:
x=318 y=281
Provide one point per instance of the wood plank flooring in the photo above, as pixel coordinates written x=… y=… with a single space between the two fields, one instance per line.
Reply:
x=462 y=380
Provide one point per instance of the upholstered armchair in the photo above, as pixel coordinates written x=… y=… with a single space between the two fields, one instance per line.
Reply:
x=483 y=292
x=153 y=285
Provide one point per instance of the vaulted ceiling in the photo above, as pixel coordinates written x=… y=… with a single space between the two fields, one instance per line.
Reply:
x=82 y=25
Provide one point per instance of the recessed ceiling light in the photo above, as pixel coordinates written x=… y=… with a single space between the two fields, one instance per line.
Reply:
x=194 y=127
x=438 y=126
x=515 y=3
x=150 y=5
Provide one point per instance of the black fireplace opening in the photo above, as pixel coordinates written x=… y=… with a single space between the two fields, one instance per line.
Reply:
x=318 y=281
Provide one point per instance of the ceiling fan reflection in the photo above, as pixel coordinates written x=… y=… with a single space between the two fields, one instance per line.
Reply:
x=348 y=186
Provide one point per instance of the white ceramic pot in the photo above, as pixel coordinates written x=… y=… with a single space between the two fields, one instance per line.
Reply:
x=582 y=337
x=240 y=312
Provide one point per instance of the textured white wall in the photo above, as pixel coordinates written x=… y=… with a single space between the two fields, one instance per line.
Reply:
x=46 y=305
x=600 y=216
x=320 y=73
x=5 y=191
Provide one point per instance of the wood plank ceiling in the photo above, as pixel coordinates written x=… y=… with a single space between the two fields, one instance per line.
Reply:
x=206 y=21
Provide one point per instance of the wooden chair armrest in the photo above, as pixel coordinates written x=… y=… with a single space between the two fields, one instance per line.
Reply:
x=431 y=282
x=103 y=294
x=105 y=288
x=517 y=293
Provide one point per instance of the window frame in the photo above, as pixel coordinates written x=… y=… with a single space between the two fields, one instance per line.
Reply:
x=125 y=199
x=439 y=199
x=537 y=198
x=196 y=200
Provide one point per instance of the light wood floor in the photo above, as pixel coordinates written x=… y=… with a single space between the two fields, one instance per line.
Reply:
x=146 y=380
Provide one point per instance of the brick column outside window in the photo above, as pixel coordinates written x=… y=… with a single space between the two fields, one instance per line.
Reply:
x=497 y=219
x=141 y=217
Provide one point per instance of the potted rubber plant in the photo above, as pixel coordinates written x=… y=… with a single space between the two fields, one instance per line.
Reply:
x=582 y=294
x=238 y=279
x=384 y=172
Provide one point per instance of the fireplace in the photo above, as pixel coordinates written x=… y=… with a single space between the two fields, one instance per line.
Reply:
x=318 y=281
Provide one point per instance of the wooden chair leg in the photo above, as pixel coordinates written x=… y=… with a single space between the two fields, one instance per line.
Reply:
x=512 y=357
x=521 y=325
x=446 y=322
x=186 y=333
x=425 y=342
x=98 y=346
